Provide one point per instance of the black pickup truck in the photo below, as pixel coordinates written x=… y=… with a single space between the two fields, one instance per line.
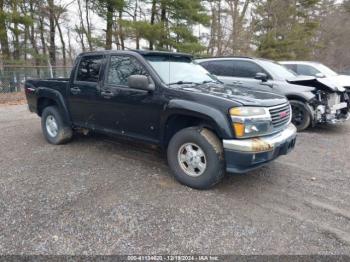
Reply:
x=165 y=99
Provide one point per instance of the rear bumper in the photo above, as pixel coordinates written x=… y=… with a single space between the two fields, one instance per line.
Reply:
x=248 y=154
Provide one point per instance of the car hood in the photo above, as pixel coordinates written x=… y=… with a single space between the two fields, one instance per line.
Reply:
x=242 y=95
x=342 y=80
x=319 y=83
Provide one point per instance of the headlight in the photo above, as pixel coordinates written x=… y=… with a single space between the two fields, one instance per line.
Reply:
x=251 y=121
x=248 y=111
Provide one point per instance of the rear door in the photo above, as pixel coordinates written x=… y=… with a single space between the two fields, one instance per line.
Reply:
x=292 y=67
x=245 y=71
x=235 y=71
x=223 y=69
x=307 y=70
x=84 y=91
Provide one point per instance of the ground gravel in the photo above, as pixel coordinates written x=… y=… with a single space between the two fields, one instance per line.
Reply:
x=98 y=195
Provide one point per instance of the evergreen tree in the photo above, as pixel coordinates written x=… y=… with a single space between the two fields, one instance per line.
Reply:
x=284 y=29
x=170 y=25
x=107 y=10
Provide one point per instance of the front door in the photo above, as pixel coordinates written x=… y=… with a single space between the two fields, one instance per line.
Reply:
x=127 y=111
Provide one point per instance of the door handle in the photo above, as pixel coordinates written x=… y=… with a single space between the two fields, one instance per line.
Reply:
x=75 y=90
x=107 y=94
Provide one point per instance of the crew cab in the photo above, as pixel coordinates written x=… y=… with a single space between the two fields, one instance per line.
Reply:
x=163 y=98
x=314 y=100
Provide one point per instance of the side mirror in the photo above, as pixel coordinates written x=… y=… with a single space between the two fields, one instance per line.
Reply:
x=140 y=82
x=320 y=75
x=261 y=76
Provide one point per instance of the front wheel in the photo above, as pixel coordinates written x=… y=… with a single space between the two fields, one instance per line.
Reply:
x=301 y=116
x=195 y=156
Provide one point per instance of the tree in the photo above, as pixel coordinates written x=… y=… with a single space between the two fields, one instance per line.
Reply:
x=284 y=29
x=106 y=9
x=58 y=14
x=176 y=19
x=333 y=37
x=230 y=32
x=52 y=32
x=5 y=49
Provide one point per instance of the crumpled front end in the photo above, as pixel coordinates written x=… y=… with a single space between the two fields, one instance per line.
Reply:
x=331 y=103
x=331 y=108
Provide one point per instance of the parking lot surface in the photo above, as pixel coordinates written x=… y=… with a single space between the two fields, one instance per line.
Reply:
x=98 y=195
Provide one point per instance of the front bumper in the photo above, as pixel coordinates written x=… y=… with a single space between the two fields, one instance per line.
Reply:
x=248 y=154
x=338 y=113
x=336 y=119
x=338 y=110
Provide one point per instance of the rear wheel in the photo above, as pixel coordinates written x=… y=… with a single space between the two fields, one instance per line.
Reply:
x=195 y=156
x=301 y=117
x=54 y=129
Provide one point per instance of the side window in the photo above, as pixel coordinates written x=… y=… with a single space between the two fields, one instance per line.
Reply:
x=246 y=69
x=89 y=68
x=307 y=70
x=121 y=67
x=219 y=68
x=291 y=67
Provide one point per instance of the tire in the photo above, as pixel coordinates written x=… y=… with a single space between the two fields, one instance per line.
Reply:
x=53 y=127
x=198 y=141
x=301 y=116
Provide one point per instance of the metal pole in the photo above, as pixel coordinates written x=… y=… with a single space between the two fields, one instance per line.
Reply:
x=50 y=68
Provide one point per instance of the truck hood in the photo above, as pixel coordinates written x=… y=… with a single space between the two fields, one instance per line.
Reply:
x=239 y=94
x=341 y=80
x=325 y=84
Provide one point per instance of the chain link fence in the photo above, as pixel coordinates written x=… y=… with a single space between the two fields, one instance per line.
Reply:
x=12 y=78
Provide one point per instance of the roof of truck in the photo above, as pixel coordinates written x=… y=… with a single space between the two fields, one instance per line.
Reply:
x=223 y=57
x=300 y=62
x=141 y=52
x=205 y=59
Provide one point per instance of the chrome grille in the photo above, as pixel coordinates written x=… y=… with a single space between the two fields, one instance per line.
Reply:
x=281 y=115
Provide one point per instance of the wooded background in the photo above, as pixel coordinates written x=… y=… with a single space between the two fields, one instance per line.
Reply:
x=42 y=32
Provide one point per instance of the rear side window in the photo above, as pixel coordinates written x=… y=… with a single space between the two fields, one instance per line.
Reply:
x=233 y=68
x=246 y=69
x=89 y=68
x=307 y=70
x=121 y=67
x=291 y=67
x=219 y=68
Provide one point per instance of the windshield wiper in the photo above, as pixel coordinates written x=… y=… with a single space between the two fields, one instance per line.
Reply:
x=183 y=83
x=211 y=81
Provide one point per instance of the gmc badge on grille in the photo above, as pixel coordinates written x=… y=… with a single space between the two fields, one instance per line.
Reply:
x=283 y=114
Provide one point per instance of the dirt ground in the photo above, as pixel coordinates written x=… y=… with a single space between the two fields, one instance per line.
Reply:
x=12 y=98
x=98 y=195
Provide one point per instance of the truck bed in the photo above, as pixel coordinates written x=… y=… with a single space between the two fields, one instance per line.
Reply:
x=33 y=86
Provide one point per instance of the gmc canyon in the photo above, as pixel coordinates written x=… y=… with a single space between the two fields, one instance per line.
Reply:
x=165 y=99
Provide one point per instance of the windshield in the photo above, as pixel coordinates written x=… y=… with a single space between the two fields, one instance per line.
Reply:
x=277 y=70
x=179 y=70
x=326 y=70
